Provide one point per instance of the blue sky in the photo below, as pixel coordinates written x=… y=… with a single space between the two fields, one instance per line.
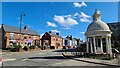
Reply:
x=68 y=18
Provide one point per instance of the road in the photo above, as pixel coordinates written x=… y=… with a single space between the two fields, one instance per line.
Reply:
x=42 y=58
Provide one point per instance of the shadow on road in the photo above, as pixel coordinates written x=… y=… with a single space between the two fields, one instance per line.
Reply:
x=65 y=50
x=48 y=57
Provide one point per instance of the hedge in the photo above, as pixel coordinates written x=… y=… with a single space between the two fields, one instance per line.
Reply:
x=32 y=47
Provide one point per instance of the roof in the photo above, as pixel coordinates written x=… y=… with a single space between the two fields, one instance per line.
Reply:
x=17 y=30
x=54 y=35
x=113 y=23
x=97 y=23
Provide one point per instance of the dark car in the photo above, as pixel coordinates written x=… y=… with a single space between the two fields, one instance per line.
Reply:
x=64 y=47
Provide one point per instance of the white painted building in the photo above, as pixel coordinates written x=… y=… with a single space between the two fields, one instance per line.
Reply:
x=67 y=42
x=70 y=42
x=74 y=42
x=98 y=33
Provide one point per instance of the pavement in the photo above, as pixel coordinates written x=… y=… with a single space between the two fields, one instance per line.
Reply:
x=114 y=62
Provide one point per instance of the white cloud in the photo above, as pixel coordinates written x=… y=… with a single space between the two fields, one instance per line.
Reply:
x=70 y=22
x=51 y=24
x=76 y=14
x=59 y=19
x=83 y=4
x=66 y=28
x=30 y=26
x=84 y=20
x=65 y=22
x=84 y=17
x=79 y=5
x=55 y=31
x=82 y=32
x=66 y=16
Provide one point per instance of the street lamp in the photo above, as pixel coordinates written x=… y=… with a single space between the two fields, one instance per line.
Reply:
x=22 y=14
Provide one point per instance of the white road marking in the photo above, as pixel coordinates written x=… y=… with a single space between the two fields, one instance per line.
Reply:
x=8 y=60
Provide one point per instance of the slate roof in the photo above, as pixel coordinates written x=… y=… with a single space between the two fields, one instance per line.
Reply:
x=17 y=30
x=54 y=35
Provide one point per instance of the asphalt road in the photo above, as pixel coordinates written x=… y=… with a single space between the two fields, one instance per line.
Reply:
x=42 y=58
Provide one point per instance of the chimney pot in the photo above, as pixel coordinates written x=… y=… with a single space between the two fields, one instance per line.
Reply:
x=26 y=27
x=50 y=32
x=57 y=34
x=2 y=25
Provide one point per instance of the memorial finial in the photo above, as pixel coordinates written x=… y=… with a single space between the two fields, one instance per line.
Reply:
x=96 y=15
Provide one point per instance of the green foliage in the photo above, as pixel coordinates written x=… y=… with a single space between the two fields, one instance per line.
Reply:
x=112 y=45
x=32 y=47
x=98 y=56
x=19 y=46
x=28 y=46
x=106 y=58
x=11 y=46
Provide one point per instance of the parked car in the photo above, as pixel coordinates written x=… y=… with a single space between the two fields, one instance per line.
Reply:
x=64 y=47
x=70 y=46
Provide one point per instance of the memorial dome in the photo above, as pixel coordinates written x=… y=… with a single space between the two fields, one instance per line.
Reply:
x=97 y=24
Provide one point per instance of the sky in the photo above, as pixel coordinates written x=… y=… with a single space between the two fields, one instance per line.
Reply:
x=67 y=18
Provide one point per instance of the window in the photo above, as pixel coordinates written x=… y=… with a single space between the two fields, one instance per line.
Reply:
x=29 y=36
x=66 y=42
x=11 y=35
x=10 y=43
x=25 y=36
x=18 y=36
x=34 y=37
x=56 y=39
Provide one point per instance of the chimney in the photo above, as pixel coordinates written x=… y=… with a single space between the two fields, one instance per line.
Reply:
x=57 y=34
x=50 y=32
x=70 y=36
x=26 y=27
x=67 y=37
x=2 y=25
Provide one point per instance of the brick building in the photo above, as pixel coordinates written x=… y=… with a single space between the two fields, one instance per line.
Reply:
x=11 y=35
x=51 y=40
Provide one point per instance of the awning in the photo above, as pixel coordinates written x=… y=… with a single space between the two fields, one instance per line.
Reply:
x=29 y=41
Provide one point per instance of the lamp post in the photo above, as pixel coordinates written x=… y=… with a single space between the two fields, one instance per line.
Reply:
x=22 y=14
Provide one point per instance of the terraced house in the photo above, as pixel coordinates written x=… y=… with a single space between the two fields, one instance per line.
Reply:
x=54 y=41
x=12 y=35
